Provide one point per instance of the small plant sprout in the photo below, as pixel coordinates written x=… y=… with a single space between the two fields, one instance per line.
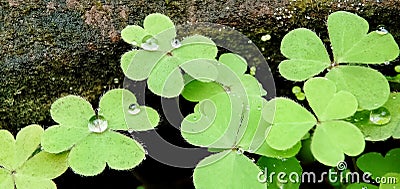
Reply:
x=23 y=165
x=164 y=58
x=351 y=44
x=92 y=138
x=332 y=137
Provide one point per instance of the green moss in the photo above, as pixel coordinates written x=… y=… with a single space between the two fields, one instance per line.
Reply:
x=53 y=48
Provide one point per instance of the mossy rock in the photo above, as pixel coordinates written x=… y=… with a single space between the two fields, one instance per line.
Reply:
x=53 y=48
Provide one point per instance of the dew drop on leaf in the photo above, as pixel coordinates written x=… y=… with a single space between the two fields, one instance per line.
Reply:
x=130 y=130
x=133 y=109
x=381 y=30
x=97 y=124
x=175 y=43
x=195 y=118
x=239 y=151
x=296 y=90
x=380 y=116
x=150 y=44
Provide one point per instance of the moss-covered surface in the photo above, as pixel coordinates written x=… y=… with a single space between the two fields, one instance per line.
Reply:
x=54 y=48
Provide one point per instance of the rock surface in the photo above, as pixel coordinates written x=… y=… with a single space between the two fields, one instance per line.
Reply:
x=51 y=48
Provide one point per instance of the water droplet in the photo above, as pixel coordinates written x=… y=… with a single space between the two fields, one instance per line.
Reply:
x=380 y=116
x=239 y=151
x=259 y=108
x=382 y=30
x=394 y=98
x=387 y=63
x=130 y=130
x=253 y=160
x=176 y=43
x=195 y=118
x=116 y=80
x=150 y=44
x=134 y=109
x=134 y=43
x=248 y=107
x=296 y=90
x=265 y=37
x=97 y=124
x=249 y=41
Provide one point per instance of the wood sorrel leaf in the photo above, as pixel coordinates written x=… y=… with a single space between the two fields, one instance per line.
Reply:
x=327 y=102
x=382 y=165
x=306 y=53
x=351 y=43
x=369 y=86
x=333 y=139
x=290 y=122
x=228 y=169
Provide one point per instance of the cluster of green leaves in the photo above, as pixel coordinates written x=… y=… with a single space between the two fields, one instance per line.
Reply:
x=351 y=104
x=90 y=150
x=346 y=99
x=23 y=165
x=83 y=140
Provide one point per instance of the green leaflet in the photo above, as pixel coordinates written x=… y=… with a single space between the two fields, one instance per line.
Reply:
x=307 y=55
x=163 y=58
x=290 y=167
x=376 y=132
x=290 y=122
x=382 y=165
x=332 y=137
x=332 y=104
x=351 y=43
x=22 y=167
x=228 y=169
x=391 y=181
x=369 y=86
x=153 y=24
x=92 y=149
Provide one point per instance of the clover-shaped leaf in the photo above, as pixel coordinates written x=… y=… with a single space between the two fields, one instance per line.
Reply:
x=382 y=165
x=228 y=169
x=392 y=180
x=332 y=137
x=289 y=167
x=216 y=125
x=92 y=137
x=369 y=86
x=307 y=55
x=381 y=123
x=163 y=58
x=154 y=24
x=22 y=167
x=350 y=44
